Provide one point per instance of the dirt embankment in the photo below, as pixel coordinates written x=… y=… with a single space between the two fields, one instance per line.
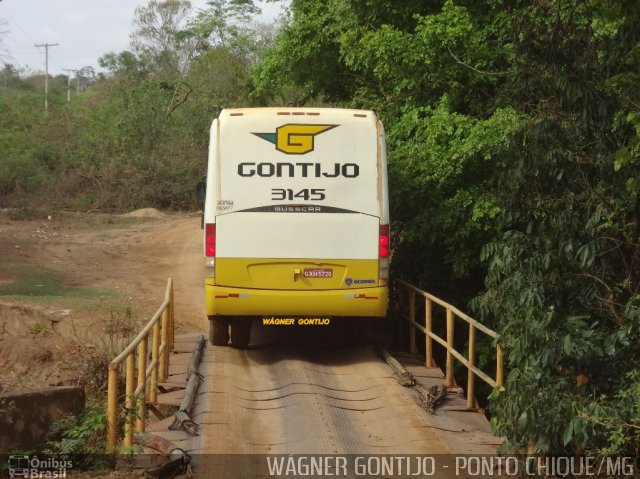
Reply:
x=75 y=287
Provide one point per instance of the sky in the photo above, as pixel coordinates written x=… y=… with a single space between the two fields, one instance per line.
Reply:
x=84 y=29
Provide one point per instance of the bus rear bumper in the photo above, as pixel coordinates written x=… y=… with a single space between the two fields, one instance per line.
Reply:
x=227 y=301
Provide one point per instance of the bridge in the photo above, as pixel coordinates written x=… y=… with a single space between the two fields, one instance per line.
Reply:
x=299 y=391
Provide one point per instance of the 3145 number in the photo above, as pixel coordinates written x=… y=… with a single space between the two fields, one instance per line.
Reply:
x=279 y=194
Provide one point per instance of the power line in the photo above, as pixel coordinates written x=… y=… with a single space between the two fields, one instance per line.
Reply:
x=53 y=60
x=69 y=70
x=46 y=74
x=16 y=24
x=24 y=32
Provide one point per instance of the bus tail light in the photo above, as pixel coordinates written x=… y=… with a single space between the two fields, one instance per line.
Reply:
x=210 y=240
x=210 y=250
x=384 y=243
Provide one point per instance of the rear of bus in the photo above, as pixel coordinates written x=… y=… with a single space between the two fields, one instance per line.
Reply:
x=296 y=217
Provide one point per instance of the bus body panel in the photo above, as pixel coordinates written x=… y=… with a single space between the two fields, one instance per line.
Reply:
x=252 y=167
x=296 y=274
x=224 y=301
x=297 y=235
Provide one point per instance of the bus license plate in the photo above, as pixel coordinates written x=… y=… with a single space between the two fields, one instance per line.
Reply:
x=318 y=273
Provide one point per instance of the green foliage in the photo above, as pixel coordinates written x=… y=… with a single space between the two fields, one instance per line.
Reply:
x=306 y=54
x=119 y=332
x=138 y=137
x=25 y=158
x=513 y=133
x=81 y=437
x=6 y=407
x=35 y=283
x=37 y=328
x=561 y=285
x=441 y=175
x=618 y=417
x=226 y=24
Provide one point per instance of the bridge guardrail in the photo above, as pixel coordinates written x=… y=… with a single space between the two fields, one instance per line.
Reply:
x=451 y=313
x=141 y=383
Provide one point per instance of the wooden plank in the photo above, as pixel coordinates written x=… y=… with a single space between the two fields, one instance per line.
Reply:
x=174 y=398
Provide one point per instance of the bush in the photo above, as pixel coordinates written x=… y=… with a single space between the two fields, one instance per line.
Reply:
x=81 y=437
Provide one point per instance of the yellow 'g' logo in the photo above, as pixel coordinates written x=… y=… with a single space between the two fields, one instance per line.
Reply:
x=295 y=139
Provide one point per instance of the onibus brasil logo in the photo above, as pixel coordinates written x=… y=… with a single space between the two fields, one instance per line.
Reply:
x=31 y=467
x=295 y=139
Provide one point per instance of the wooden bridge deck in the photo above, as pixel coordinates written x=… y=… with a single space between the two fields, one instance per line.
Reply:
x=296 y=397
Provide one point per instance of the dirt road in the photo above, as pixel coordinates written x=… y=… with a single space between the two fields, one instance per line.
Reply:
x=78 y=282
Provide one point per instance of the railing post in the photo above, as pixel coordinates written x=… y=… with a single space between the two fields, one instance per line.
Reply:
x=155 y=353
x=164 y=357
x=171 y=319
x=142 y=384
x=428 y=323
x=499 y=367
x=471 y=389
x=112 y=408
x=130 y=380
x=412 y=318
x=449 y=366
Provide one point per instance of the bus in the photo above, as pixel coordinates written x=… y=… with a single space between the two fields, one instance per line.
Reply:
x=296 y=218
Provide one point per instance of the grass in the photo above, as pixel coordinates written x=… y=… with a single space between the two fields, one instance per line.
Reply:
x=37 y=284
x=99 y=350
x=37 y=328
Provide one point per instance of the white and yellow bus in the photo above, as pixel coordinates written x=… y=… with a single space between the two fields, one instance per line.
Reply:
x=296 y=217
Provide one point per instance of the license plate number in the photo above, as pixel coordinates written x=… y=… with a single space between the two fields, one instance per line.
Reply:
x=318 y=273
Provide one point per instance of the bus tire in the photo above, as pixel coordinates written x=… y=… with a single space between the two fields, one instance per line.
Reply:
x=240 y=332
x=218 y=331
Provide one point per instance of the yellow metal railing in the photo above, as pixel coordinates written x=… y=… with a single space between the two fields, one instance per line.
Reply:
x=141 y=383
x=470 y=361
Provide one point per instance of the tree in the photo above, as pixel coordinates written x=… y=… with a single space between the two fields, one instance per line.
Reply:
x=305 y=59
x=10 y=76
x=514 y=168
x=157 y=37
x=228 y=24
x=562 y=279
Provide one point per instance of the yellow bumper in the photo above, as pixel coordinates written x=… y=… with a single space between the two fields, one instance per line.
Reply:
x=225 y=301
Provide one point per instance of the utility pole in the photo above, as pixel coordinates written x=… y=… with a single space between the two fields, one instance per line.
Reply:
x=46 y=75
x=68 y=70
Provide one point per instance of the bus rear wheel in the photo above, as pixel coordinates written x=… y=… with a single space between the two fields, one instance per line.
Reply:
x=240 y=332
x=218 y=331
